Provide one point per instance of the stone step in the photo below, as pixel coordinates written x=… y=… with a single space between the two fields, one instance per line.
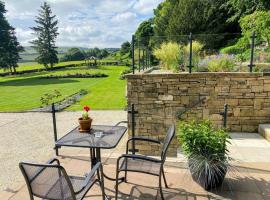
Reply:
x=264 y=130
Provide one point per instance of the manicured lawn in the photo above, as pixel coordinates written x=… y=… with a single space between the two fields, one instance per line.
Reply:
x=24 y=92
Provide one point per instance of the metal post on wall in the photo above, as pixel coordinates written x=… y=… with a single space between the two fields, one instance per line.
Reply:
x=190 y=53
x=54 y=128
x=251 y=65
x=133 y=124
x=133 y=54
x=224 y=114
x=143 y=59
x=139 y=48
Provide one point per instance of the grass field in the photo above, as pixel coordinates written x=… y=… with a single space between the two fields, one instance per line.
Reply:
x=23 y=92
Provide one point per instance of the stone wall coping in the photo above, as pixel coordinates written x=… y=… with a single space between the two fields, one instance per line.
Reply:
x=199 y=75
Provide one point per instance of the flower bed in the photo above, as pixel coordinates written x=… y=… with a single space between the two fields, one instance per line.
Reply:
x=77 y=75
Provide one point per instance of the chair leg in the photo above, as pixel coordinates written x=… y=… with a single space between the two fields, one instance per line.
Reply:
x=164 y=178
x=160 y=187
x=116 y=184
x=101 y=181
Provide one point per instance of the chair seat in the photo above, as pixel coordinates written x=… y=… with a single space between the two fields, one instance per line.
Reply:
x=76 y=183
x=140 y=165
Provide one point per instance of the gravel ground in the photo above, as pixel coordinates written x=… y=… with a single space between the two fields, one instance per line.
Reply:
x=29 y=137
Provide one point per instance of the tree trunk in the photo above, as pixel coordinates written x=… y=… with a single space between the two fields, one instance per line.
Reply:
x=10 y=69
x=14 y=69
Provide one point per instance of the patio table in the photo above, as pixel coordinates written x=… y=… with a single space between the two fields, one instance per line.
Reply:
x=109 y=140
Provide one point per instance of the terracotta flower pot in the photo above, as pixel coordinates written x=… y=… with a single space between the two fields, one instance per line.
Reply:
x=85 y=125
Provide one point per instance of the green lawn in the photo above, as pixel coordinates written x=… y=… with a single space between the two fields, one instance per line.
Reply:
x=24 y=92
x=34 y=65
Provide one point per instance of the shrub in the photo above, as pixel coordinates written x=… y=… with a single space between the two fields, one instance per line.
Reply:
x=169 y=55
x=196 y=53
x=222 y=63
x=49 y=98
x=123 y=73
x=202 y=139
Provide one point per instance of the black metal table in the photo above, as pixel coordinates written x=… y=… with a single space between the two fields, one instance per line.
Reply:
x=110 y=139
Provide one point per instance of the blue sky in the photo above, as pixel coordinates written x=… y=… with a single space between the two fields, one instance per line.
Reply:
x=85 y=23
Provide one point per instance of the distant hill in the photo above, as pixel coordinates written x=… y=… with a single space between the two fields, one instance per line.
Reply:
x=30 y=54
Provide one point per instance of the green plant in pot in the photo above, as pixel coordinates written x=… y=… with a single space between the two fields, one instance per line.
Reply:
x=85 y=121
x=206 y=150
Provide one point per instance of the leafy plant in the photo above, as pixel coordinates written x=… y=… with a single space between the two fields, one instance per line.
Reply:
x=196 y=51
x=203 y=139
x=222 y=63
x=49 y=98
x=206 y=149
x=85 y=115
x=169 y=55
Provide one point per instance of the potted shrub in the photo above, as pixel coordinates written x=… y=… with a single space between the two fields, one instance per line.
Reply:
x=85 y=121
x=206 y=150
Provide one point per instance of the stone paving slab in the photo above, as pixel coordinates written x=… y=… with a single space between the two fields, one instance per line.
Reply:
x=29 y=137
x=249 y=181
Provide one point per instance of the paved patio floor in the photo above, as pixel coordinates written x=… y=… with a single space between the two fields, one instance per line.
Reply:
x=248 y=179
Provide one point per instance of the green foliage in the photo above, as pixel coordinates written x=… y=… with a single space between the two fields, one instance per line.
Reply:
x=169 y=55
x=240 y=8
x=49 y=98
x=125 y=72
x=97 y=53
x=196 y=53
x=9 y=45
x=174 y=18
x=221 y=64
x=125 y=48
x=203 y=140
x=85 y=115
x=73 y=54
x=259 y=22
x=46 y=31
x=144 y=31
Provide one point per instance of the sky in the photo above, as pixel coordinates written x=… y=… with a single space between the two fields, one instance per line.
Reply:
x=83 y=23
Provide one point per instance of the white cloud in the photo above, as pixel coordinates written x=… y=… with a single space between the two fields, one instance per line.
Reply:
x=89 y=23
x=127 y=17
x=145 y=7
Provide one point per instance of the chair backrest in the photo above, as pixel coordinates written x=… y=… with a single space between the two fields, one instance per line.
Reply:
x=167 y=142
x=47 y=181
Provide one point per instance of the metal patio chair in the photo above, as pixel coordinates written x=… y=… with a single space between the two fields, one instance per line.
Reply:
x=50 y=181
x=144 y=164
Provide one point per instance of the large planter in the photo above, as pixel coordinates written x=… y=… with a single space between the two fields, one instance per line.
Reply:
x=206 y=179
x=85 y=125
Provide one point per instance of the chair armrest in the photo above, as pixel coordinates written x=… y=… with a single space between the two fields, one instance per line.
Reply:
x=145 y=139
x=141 y=157
x=53 y=160
x=141 y=139
x=90 y=176
x=122 y=122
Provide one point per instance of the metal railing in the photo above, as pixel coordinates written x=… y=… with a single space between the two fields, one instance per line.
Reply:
x=145 y=52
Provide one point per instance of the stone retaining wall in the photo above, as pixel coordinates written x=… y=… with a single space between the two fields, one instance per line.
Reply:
x=159 y=98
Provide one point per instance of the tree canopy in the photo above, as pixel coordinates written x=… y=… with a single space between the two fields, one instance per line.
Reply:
x=125 y=48
x=46 y=31
x=9 y=46
x=144 y=32
x=240 y=8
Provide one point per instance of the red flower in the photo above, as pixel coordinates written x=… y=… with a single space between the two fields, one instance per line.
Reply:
x=86 y=108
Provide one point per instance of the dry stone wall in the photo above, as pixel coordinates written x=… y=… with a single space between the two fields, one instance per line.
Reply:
x=160 y=98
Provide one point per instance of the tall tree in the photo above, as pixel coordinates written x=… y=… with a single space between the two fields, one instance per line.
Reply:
x=125 y=48
x=46 y=31
x=9 y=46
x=144 y=32
x=240 y=8
x=174 y=18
